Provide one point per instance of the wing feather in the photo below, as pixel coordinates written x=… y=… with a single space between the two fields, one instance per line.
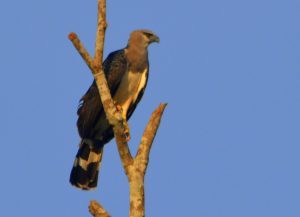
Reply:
x=90 y=107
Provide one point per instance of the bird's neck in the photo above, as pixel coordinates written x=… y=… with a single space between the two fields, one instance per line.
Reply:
x=137 y=57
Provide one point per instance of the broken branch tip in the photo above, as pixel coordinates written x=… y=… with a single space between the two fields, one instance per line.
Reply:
x=72 y=36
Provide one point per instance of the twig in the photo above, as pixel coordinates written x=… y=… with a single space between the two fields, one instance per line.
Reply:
x=97 y=210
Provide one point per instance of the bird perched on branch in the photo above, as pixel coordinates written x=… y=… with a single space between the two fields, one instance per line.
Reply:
x=126 y=71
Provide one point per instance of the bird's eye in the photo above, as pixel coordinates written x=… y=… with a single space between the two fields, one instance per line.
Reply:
x=147 y=34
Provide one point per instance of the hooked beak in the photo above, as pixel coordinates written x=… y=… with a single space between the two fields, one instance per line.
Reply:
x=154 y=38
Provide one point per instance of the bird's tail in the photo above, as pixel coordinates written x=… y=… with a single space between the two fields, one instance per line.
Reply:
x=84 y=174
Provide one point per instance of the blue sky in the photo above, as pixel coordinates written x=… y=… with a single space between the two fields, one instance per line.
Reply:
x=228 y=144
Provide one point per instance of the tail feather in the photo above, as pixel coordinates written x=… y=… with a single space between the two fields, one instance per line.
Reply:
x=85 y=170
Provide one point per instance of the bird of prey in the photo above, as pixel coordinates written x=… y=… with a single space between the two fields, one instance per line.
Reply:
x=126 y=71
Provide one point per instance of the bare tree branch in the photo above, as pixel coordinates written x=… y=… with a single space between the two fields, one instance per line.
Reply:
x=101 y=27
x=97 y=210
x=114 y=117
x=135 y=168
x=142 y=156
x=81 y=50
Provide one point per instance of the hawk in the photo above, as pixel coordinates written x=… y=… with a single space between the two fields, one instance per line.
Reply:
x=126 y=71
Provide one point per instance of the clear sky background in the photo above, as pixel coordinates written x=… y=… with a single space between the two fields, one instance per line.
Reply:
x=229 y=142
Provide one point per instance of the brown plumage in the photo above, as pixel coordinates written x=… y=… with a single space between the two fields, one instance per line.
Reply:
x=126 y=72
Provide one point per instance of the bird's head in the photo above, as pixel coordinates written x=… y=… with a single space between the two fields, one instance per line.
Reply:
x=143 y=38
